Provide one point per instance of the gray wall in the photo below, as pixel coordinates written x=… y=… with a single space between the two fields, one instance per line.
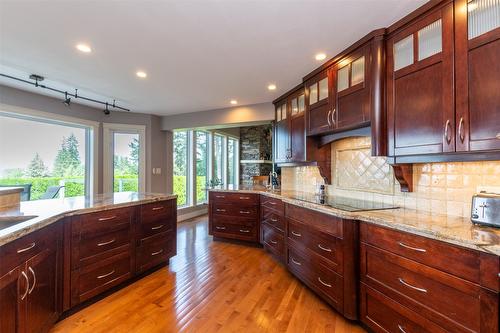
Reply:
x=244 y=115
x=158 y=142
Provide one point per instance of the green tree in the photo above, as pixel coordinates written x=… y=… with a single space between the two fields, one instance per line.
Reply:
x=14 y=173
x=134 y=154
x=67 y=162
x=36 y=168
x=180 y=153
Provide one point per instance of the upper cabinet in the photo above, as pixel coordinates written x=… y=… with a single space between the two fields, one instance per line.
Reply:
x=319 y=119
x=420 y=87
x=477 y=47
x=282 y=133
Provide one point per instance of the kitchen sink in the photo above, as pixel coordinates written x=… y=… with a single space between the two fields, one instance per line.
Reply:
x=7 y=221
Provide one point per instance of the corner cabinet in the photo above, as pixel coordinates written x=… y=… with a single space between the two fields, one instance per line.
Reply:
x=420 y=88
x=477 y=47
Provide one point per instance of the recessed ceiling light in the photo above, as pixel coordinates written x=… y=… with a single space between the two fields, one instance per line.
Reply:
x=271 y=87
x=233 y=102
x=320 y=56
x=141 y=74
x=84 y=48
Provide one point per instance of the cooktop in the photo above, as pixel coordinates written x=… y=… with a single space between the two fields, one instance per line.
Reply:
x=343 y=203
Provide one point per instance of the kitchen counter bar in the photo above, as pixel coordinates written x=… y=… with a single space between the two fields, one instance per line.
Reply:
x=451 y=229
x=53 y=210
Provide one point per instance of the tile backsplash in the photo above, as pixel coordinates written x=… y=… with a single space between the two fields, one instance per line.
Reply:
x=443 y=188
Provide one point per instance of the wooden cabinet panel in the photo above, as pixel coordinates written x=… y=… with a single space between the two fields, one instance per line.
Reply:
x=325 y=223
x=297 y=138
x=420 y=88
x=273 y=241
x=319 y=111
x=13 y=286
x=236 y=228
x=234 y=198
x=273 y=203
x=272 y=218
x=155 y=250
x=250 y=212
x=93 y=224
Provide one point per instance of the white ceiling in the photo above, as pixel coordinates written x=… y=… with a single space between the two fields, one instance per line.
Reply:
x=198 y=54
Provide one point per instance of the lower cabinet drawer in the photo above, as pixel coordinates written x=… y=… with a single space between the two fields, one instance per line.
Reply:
x=273 y=240
x=94 y=279
x=384 y=315
x=154 y=251
x=151 y=229
x=325 y=282
x=449 y=301
x=230 y=227
x=271 y=217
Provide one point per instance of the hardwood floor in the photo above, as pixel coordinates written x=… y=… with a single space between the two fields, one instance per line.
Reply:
x=211 y=287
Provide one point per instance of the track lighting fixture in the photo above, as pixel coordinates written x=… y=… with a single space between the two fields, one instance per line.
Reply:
x=67 y=96
x=67 y=100
x=106 y=110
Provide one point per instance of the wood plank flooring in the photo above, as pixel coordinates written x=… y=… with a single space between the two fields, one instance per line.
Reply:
x=211 y=287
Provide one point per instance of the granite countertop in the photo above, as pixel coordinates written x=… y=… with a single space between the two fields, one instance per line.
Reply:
x=10 y=190
x=451 y=229
x=45 y=212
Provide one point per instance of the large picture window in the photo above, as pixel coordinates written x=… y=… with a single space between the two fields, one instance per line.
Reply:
x=48 y=158
x=203 y=158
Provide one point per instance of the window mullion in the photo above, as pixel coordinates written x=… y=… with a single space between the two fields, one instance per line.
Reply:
x=191 y=169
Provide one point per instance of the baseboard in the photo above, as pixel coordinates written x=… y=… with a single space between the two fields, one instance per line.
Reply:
x=190 y=215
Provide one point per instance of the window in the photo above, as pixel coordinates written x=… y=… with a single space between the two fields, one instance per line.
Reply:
x=180 y=182
x=201 y=159
x=51 y=158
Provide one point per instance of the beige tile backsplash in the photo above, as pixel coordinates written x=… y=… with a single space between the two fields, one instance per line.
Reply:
x=443 y=188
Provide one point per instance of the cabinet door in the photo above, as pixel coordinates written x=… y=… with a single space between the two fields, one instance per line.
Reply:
x=420 y=93
x=282 y=136
x=319 y=111
x=351 y=97
x=477 y=41
x=42 y=295
x=297 y=129
x=13 y=292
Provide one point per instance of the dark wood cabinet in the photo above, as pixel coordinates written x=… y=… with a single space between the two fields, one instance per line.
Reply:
x=477 y=72
x=420 y=86
x=282 y=133
x=319 y=110
x=272 y=221
x=31 y=291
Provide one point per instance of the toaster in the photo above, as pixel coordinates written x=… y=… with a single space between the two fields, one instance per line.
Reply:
x=486 y=209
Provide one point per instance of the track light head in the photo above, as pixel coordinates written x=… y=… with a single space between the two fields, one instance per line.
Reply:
x=106 y=110
x=67 y=100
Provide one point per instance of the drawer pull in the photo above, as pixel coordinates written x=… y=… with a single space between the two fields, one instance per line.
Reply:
x=220 y=196
x=274 y=220
x=323 y=283
x=498 y=136
x=296 y=234
x=27 y=248
x=220 y=210
x=34 y=280
x=158 y=208
x=220 y=228
x=245 y=231
x=107 y=218
x=106 y=275
x=157 y=227
x=244 y=212
x=107 y=243
x=273 y=241
x=157 y=253
x=401 y=329
x=326 y=249
x=27 y=285
x=274 y=203
x=245 y=198
x=412 y=248
x=404 y=283
x=298 y=263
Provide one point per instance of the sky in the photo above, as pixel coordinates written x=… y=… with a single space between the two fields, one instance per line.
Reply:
x=21 y=139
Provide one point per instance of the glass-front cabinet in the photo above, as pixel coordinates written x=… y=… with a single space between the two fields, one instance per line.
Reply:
x=477 y=72
x=319 y=111
x=282 y=137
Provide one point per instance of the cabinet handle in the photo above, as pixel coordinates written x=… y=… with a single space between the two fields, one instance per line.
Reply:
x=406 y=284
x=157 y=227
x=107 y=218
x=460 y=129
x=273 y=242
x=27 y=285
x=220 y=228
x=296 y=234
x=34 y=280
x=273 y=220
x=220 y=196
x=244 y=198
x=27 y=248
x=324 y=248
x=158 y=208
x=245 y=231
x=107 y=243
x=498 y=136
x=220 y=210
x=447 y=135
x=323 y=283
x=274 y=203
x=106 y=275
x=298 y=263
x=333 y=116
x=157 y=253
x=244 y=212
x=412 y=248
x=328 y=120
x=401 y=329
